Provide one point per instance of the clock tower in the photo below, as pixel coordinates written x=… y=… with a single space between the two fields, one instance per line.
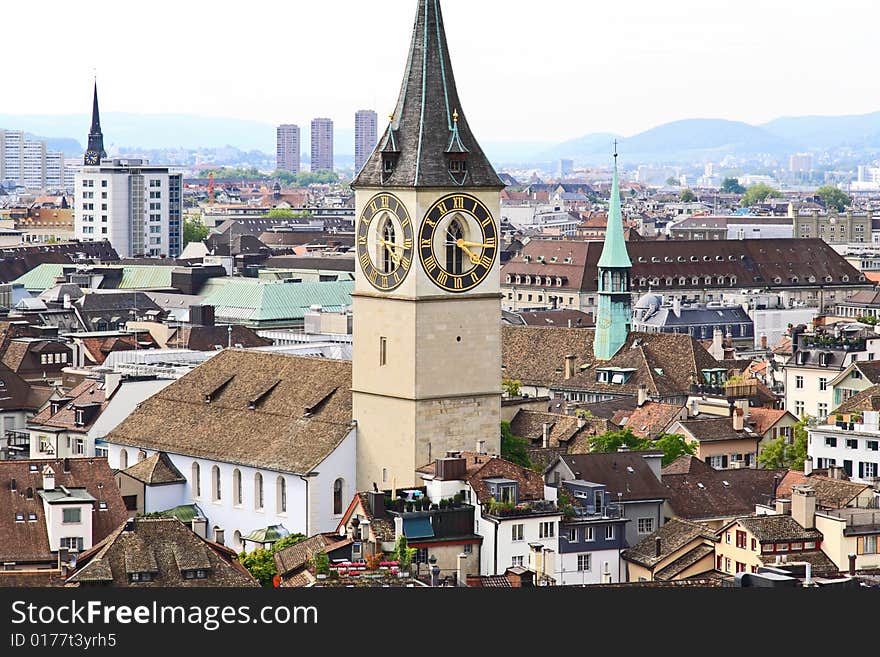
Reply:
x=427 y=301
x=95 y=150
x=614 y=313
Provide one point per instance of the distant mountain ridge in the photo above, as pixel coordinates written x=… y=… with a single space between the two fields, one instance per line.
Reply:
x=677 y=142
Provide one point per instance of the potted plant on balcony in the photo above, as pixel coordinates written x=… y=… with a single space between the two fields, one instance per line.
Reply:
x=457 y=499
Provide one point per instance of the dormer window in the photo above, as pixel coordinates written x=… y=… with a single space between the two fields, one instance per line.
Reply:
x=140 y=577
x=457 y=166
x=195 y=574
x=388 y=163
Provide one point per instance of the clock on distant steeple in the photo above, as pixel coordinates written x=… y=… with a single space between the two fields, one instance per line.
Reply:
x=95 y=150
x=92 y=157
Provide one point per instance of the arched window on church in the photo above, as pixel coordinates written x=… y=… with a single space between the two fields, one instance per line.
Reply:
x=387 y=250
x=454 y=253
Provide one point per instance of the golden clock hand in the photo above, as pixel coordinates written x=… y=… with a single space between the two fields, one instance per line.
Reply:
x=390 y=246
x=479 y=244
x=473 y=257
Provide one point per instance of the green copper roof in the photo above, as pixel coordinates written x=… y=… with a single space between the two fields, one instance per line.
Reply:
x=267 y=534
x=614 y=252
x=41 y=277
x=186 y=513
x=134 y=277
x=256 y=301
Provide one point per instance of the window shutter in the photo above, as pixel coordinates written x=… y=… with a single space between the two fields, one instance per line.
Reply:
x=861 y=469
x=724 y=461
x=860 y=545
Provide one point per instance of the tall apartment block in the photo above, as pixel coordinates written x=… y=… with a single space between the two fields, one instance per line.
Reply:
x=287 y=148
x=322 y=145
x=364 y=137
x=26 y=163
x=131 y=203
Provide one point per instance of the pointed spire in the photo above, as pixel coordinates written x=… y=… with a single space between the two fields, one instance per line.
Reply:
x=614 y=252
x=422 y=126
x=96 y=117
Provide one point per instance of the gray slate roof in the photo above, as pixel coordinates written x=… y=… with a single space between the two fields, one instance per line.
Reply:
x=422 y=126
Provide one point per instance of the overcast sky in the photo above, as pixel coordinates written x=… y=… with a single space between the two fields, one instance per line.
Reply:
x=527 y=71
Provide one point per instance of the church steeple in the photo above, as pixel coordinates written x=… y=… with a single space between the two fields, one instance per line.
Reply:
x=614 y=313
x=424 y=145
x=95 y=150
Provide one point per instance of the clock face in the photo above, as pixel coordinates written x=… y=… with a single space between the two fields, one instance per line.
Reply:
x=91 y=157
x=458 y=242
x=385 y=242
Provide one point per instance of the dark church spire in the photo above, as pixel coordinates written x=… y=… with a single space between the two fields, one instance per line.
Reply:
x=95 y=151
x=415 y=148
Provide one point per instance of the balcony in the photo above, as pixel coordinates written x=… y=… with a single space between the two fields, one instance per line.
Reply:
x=17 y=446
x=832 y=342
x=531 y=508
x=858 y=521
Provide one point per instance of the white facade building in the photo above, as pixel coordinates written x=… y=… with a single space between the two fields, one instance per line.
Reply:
x=853 y=445
x=241 y=499
x=137 y=207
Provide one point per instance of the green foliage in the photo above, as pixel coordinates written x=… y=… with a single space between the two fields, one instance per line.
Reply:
x=565 y=504
x=777 y=454
x=758 y=194
x=673 y=446
x=672 y=181
x=585 y=414
x=687 y=196
x=513 y=448
x=286 y=213
x=301 y=179
x=833 y=197
x=320 y=562
x=511 y=387
x=261 y=562
x=732 y=186
x=194 y=231
x=867 y=319
x=404 y=554
x=611 y=441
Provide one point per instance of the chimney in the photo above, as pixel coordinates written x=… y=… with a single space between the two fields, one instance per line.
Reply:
x=738 y=419
x=808 y=465
x=129 y=525
x=219 y=536
x=763 y=341
x=545 y=435
x=643 y=394
x=461 y=575
x=199 y=526
x=783 y=507
x=743 y=405
x=67 y=302
x=695 y=408
x=63 y=559
x=717 y=348
x=658 y=545
x=569 y=366
x=803 y=506
x=377 y=503
x=676 y=306
x=852 y=565
x=48 y=478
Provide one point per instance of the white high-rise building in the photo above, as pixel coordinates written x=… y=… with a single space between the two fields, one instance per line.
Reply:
x=11 y=150
x=33 y=165
x=134 y=205
x=54 y=170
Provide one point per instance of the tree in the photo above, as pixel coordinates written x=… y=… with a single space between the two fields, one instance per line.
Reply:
x=286 y=213
x=687 y=196
x=511 y=387
x=758 y=194
x=778 y=454
x=611 y=441
x=672 y=181
x=261 y=562
x=833 y=197
x=513 y=448
x=194 y=231
x=404 y=554
x=732 y=186
x=673 y=446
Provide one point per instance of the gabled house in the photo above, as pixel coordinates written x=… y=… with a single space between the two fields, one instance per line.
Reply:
x=19 y=401
x=630 y=479
x=721 y=441
x=292 y=561
x=680 y=549
x=159 y=552
x=51 y=508
x=37 y=360
x=151 y=485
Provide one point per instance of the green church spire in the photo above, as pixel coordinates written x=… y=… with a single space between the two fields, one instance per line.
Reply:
x=614 y=252
x=614 y=313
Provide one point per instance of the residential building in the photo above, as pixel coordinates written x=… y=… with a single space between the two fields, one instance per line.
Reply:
x=292 y=561
x=821 y=357
x=152 y=485
x=557 y=273
x=54 y=507
x=263 y=440
x=322 y=145
x=699 y=493
x=37 y=360
x=26 y=163
x=678 y=550
x=159 y=552
x=855 y=378
x=721 y=442
x=834 y=228
x=851 y=438
x=134 y=205
x=518 y=524
x=364 y=136
x=652 y=315
x=632 y=480
x=287 y=149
